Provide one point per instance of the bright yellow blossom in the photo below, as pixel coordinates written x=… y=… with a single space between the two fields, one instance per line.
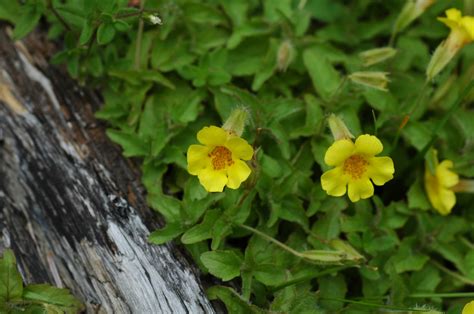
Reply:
x=219 y=161
x=462 y=33
x=468 y=308
x=439 y=186
x=355 y=166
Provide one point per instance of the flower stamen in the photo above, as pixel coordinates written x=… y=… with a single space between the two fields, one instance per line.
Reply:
x=221 y=158
x=355 y=166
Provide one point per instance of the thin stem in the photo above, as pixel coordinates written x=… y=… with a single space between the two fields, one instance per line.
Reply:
x=442 y=295
x=59 y=17
x=376 y=305
x=138 y=47
x=467 y=243
x=270 y=239
x=453 y=274
x=309 y=277
x=443 y=121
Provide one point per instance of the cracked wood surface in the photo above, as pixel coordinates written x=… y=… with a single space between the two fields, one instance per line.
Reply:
x=73 y=209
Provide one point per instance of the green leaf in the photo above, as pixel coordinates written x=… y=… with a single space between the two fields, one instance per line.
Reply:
x=105 y=33
x=169 y=232
x=30 y=15
x=203 y=230
x=417 y=196
x=9 y=10
x=223 y=264
x=332 y=287
x=86 y=33
x=11 y=284
x=58 y=299
x=267 y=66
x=234 y=303
x=326 y=80
x=131 y=143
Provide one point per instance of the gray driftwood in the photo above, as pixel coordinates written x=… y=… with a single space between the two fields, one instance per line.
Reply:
x=72 y=207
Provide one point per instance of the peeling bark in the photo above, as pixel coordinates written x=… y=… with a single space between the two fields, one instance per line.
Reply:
x=72 y=207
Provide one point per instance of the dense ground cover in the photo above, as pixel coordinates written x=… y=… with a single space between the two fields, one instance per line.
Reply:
x=278 y=241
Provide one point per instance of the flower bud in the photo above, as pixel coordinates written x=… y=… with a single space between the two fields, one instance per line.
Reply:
x=345 y=247
x=153 y=19
x=377 y=55
x=285 y=55
x=338 y=128
x=377 y=80
x=410 y=12
x=236 y=121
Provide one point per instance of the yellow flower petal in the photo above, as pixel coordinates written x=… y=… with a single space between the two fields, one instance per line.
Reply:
x=446 y=177
x=453 y=14
x=448 y=200
x=380 y=170
x=360 y=189
x=239 y=148
x=468 y=308
x=212 y=180
x=237 y=173
x=338 y=152
x=212 y=136
x=368 y=145
x=468 y=24
x=197 y=158
x=334 y=182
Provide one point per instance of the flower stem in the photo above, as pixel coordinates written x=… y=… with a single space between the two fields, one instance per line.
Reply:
x=453 y=274
x=138 y=45
x=270 y=239
x=440 y=125
x=442 y=295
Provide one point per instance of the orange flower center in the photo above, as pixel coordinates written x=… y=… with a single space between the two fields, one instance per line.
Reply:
x=355 y=166
x=221 y=157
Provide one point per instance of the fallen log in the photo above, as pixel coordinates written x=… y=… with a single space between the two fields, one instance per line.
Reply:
x=73 y=209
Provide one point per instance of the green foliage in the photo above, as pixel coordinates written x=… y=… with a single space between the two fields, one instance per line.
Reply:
x=16 y=298
x=284 y=243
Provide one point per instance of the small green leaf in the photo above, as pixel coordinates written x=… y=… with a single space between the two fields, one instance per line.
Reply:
x=86 y=33
x=203 y=230
x=332 y=287
x=131 y=143
x=325 y=78
x=105 y=33
x=11 y=284
x=417 y=197
x=58 y=299
x=223 y=264
x=234 y=303
x=30 y=15
x=169 y=232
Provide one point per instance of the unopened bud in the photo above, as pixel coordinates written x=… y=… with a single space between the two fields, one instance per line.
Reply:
x=377 y=80
x=345 y=247
x=338 y=128
x=236 y=121
x=444 y=53
x=324 y=257
x=153 y=19
x=285 y=55
x=410 y=12
x=377 y=55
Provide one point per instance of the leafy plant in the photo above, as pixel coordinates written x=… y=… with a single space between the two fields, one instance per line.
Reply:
x=34 y=298
x=285 y=244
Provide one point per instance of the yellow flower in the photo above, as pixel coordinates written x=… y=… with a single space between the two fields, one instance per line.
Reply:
x=462 y=26
x=438 y=186
x=462 y=33
x=468 y=308
x=355 y=167
x=218 y=162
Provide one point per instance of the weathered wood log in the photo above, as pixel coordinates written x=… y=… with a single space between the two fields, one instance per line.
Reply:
x=73 y=209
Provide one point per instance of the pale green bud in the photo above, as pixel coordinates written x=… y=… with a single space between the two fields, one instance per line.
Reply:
x=338 y=128
x=377 y=55
x=410 y=12
x=444 y=53
x=153 y=19
x=345 y=247
x=324 y=257
x=285 y=55
x=377 y=80
x=236 y=121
